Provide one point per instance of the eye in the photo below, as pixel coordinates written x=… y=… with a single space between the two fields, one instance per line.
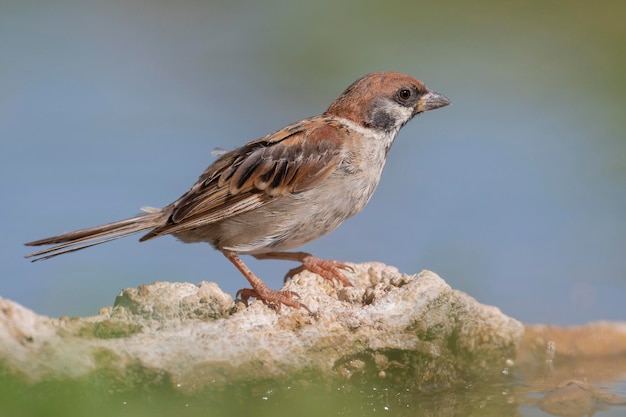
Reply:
x=404 y=93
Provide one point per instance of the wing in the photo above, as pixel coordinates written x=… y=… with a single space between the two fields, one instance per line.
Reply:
x=291 y=160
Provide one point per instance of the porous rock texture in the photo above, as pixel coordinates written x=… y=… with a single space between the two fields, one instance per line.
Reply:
x=413 y=328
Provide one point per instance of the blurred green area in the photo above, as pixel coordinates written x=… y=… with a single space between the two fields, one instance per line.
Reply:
x=309 y=397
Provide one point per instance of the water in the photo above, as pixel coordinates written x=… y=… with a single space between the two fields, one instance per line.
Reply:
x=305 y=397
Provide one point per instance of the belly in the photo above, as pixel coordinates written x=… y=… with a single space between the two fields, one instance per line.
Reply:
x=294 y=220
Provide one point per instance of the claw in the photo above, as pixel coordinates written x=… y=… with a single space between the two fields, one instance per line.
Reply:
x=272 y=297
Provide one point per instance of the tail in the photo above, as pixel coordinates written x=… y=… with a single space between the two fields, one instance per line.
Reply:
x=85 y=238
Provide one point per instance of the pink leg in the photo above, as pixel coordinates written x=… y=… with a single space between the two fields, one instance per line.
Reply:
x=259 y=289
x=328 y=269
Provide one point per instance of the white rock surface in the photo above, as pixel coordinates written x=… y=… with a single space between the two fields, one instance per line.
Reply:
x=389 y=325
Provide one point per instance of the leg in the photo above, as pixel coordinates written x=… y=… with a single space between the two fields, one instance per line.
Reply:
x=259 y=289
x=325 y=268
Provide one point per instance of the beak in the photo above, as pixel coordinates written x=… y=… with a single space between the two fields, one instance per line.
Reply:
x=431 y=101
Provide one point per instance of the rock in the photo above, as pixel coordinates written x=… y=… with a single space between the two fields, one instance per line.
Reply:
x=577 y=398
x=599 y=339
x=558 y=363
x=551 y=353
x=413 y=328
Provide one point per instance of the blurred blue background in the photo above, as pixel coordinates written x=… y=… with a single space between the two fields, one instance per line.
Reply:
x=515 y=194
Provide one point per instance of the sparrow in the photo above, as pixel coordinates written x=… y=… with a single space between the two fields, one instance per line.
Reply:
x=283 y=190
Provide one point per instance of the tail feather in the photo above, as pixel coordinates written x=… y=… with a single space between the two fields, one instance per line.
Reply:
x=85 y=238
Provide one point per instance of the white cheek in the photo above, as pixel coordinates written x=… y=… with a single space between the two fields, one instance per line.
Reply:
x=401 y=114
x=406 y=113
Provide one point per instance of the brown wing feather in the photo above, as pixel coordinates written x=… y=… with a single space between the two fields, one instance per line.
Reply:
x=291 y=160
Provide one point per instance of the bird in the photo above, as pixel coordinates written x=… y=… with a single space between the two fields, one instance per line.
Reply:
x=283 y=190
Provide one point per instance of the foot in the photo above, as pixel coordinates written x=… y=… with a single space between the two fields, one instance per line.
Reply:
x=261 y=291
x=276 y=298
x=331 y=270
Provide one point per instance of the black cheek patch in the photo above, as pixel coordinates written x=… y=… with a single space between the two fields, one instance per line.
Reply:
x=382 y=120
